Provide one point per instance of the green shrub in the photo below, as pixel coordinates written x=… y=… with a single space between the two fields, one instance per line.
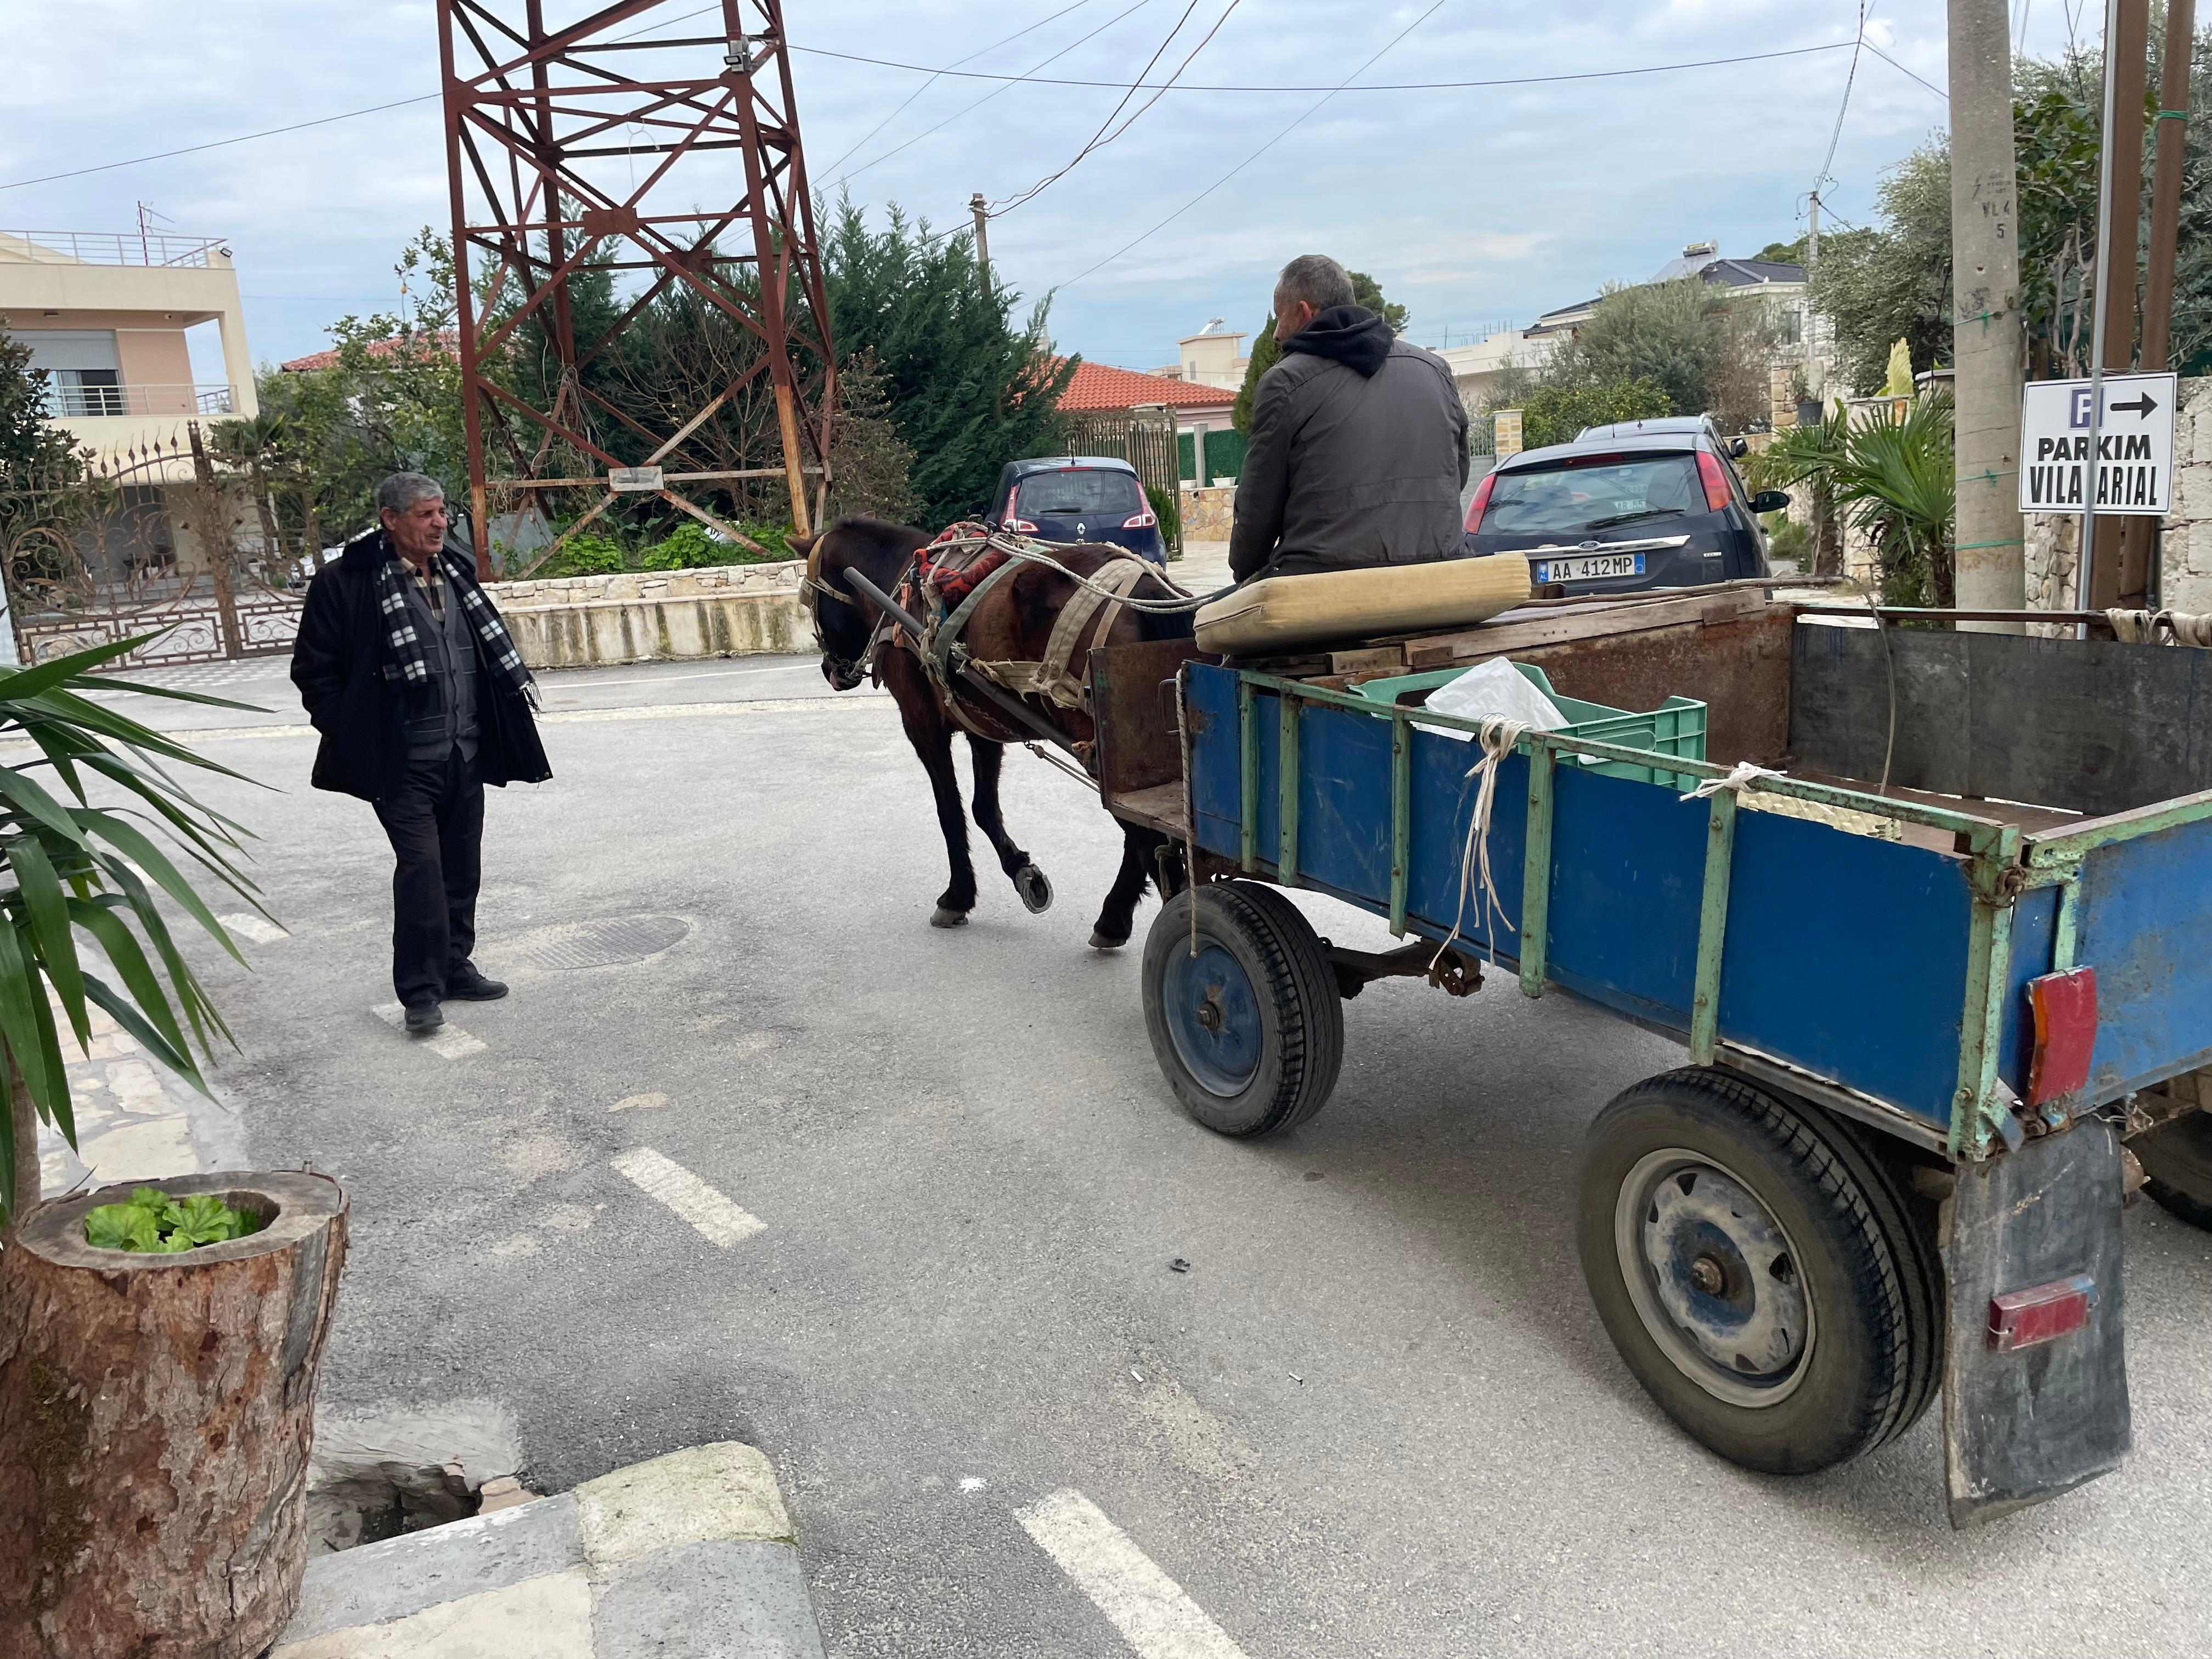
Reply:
x=587 y=554
x=1788 y=539
x=1169 y=512
x=1554 y=414
x=689 y=546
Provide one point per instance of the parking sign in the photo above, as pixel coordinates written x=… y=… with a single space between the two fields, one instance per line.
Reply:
x=2135 y=445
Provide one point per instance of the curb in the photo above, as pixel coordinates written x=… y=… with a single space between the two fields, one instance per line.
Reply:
x=697 y=1543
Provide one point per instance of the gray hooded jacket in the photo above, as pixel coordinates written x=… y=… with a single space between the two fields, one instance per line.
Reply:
x=1358 y=455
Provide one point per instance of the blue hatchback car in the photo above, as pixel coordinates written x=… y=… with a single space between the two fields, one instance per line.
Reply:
x=1077 y=498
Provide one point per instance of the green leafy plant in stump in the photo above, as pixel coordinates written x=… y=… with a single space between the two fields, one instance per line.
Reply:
x=150 y=1220
x=76 y=868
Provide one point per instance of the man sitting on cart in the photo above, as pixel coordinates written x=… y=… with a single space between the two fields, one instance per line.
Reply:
x=1359 y=450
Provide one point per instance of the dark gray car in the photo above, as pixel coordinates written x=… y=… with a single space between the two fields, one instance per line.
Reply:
x=1643 y=504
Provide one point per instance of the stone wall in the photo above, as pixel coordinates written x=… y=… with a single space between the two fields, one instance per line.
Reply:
x=1206 y=513
x=648 y=615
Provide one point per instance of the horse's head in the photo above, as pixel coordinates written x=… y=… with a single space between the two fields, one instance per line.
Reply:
x=844 y=622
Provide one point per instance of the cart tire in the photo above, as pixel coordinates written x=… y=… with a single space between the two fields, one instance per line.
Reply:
x=2176 y=1157
x=1758 y=1271
x=1250 y=1031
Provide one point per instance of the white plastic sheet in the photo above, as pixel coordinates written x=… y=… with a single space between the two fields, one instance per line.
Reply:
x=1493 y=688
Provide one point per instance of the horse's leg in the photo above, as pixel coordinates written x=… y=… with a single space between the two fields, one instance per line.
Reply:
x=1117 y=917
x=931 y=736
x=1028 y=881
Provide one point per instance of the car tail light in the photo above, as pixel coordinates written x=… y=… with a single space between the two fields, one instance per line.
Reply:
x=2065 y=1007
x=1480 y=504
x=1023 y=526
x=1715 y=479
x=1144 y=520
x=2020 y=1319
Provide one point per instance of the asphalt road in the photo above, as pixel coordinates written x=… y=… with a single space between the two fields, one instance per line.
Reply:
x=1376 y=1417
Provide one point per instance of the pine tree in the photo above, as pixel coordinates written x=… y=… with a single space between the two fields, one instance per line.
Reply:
x=1265 y=354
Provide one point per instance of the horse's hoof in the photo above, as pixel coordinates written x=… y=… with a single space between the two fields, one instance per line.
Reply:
x=1036 y=892
x=942 y=917
x=1100 y=942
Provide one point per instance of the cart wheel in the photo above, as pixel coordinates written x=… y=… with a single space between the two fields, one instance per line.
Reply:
x=1758 y=1272
x=2177 y=1156
x=1249 y=1030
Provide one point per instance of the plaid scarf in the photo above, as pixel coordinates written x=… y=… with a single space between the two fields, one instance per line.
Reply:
x=406 y=659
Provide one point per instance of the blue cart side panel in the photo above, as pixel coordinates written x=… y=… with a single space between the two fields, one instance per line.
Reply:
x=1844 y=955
x=2034 y=935
x=2146 y=927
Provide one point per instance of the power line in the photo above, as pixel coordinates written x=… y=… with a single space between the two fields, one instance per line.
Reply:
x=1309 y=110
x=1850 y=76
x=971 y=108
x=1103 y=136
x=1030 y=79
x=937 y=75
x=1395 y=86
x=1901 y=69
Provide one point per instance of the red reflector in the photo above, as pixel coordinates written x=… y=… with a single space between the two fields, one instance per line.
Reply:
x=2065 y=1007
x=2020 y=1319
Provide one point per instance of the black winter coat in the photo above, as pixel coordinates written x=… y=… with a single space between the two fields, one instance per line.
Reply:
x=1358 y=456
x=338 y=663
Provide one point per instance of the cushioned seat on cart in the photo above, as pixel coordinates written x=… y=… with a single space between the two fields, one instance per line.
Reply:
x=1289 y=613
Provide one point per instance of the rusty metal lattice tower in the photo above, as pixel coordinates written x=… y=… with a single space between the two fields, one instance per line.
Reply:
x=562 y=160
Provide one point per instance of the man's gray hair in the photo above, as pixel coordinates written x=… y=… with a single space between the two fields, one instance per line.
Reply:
x=403 y=489
x=1316 y=279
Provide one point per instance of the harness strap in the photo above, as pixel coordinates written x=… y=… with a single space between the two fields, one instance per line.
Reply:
x=1059 y=676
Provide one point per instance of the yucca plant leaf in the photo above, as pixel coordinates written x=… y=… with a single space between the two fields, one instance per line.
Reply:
x=27 y=799
x=124 y=956
x=30 y=1040
x=47 y=932
x=126 y=839
x=200 y=1012
x=17 y=684
x=101 y=682
x=126 y=1015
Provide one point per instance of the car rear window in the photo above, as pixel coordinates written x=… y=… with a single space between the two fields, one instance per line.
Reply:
x=1080 y=492
x=1594 y=495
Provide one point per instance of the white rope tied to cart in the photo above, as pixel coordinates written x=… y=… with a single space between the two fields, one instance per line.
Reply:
x=1499 y=737
x=1738 y=778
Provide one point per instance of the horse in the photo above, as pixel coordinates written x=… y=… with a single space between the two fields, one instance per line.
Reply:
x=1012 y=622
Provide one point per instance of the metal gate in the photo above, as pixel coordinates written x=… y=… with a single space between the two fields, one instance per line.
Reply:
x=157 y=542
x=1145 y=438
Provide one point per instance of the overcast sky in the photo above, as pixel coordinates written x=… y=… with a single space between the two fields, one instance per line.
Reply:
x=1472 y=206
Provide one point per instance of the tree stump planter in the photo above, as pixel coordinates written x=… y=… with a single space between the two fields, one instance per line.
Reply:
x=157 y=1413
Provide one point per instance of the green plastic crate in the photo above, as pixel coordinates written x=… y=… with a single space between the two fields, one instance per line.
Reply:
x=1676 y=727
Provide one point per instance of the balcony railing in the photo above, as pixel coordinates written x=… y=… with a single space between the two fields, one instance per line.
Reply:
x=101 y=247
x=76 y=402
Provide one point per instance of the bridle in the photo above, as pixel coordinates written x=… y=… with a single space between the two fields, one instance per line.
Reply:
x=813 y=590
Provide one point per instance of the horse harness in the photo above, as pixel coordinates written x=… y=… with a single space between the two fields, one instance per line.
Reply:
x=949 y=579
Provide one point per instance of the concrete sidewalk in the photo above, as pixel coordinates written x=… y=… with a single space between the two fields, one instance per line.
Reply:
x=691 y=1553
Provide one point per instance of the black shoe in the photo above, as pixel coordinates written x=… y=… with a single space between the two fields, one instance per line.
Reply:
x=467 y=985
x=424 y=1018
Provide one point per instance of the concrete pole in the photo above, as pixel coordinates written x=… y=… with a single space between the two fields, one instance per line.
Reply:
x=1992 y=560
x=982 y=240
x=2124 y=542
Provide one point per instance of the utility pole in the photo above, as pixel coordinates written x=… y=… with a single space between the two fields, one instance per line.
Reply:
x=982 y=239
x=2121 y=566
x=2174 y=54
x=1812 y=329
x=1986 y=329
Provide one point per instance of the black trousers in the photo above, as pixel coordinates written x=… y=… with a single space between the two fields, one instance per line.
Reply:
x=436 y=821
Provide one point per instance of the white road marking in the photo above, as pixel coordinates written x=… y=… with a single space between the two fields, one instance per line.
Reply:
x=716 y=1218
x=1146 y=1606
x=447 y=1042
x=250 y=926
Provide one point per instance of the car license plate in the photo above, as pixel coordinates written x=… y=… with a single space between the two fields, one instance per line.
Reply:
x=1594 y=568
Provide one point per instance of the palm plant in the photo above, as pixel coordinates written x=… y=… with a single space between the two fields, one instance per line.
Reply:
x=1894 y=481
x=79 y=868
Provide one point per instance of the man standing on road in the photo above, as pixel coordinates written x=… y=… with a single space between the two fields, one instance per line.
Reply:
x=422 y=699
x=1358 y=449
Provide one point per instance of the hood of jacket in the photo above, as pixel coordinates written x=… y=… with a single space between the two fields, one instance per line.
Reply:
x=1351 y=335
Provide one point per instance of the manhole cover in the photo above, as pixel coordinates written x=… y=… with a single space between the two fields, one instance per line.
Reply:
x=607 y=944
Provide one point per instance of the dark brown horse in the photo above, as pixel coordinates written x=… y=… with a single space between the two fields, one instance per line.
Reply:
x=1013 y=622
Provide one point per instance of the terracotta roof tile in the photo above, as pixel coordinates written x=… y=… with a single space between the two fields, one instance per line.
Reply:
x=1096 y=385
x=447 y=340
